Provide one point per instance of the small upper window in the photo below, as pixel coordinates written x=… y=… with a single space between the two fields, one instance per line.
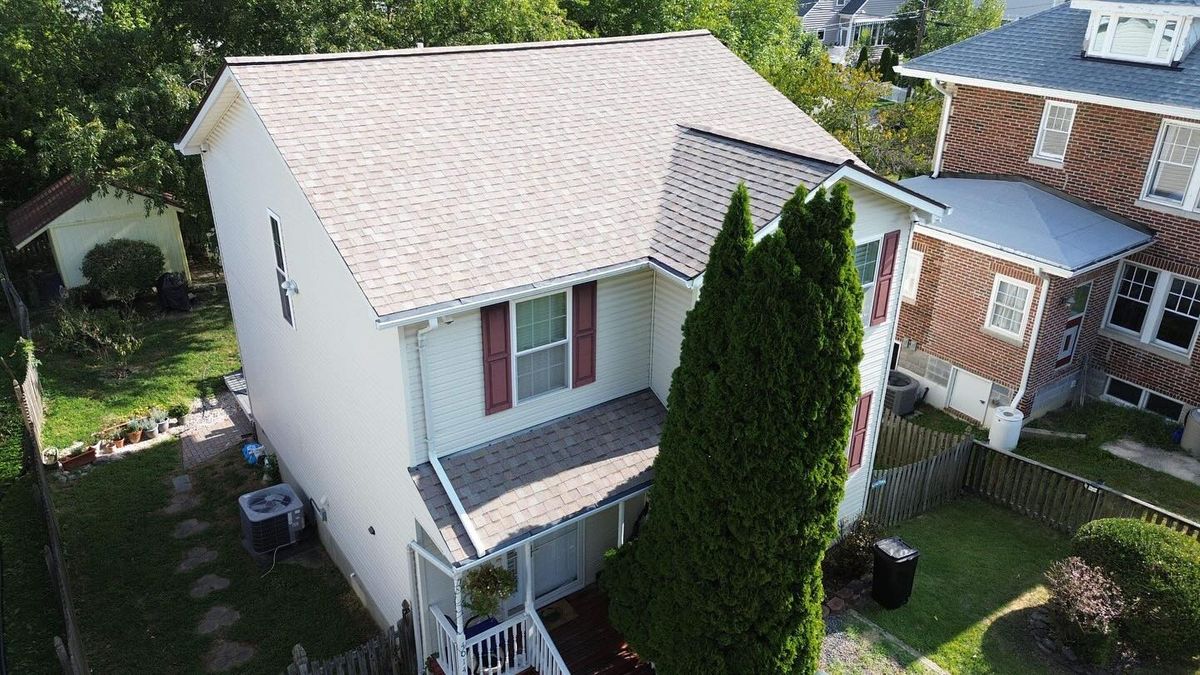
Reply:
x=1009 y=307
x=1152 y=39
x=866 y=259
x=1057 y=120
x=542 y=344
x=912 y=275
x=1174 y=178
x=283 y=284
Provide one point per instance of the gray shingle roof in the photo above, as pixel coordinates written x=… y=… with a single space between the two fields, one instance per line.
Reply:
x=527 y=482
x=446 y=173
x=1031 y=221
x=1043 y=50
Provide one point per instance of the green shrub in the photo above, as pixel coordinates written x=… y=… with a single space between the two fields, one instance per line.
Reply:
x=851 y=557
x=1158 y=571
x=1087 y=607
x=123 y=268
x=99 y=334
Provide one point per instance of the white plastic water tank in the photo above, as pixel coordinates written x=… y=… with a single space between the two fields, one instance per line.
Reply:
x=1006 y=428
x=1191 y=433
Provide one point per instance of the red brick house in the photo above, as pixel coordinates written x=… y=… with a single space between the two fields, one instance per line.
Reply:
x=1070 y=261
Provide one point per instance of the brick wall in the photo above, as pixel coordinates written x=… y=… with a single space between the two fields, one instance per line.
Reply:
x=1107 y=157
x=958 y=283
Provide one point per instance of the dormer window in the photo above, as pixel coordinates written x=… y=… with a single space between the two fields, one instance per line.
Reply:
x=1140 y=38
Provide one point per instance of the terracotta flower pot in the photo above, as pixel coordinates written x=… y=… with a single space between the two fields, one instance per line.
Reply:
x=118 y=442
x=81 y=460
x=132 y=437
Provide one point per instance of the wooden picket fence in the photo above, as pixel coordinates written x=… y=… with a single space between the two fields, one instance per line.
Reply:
x=1062 y=500
x=392 y=653
x=16 y=307
x=901 y=442
x=902 y=492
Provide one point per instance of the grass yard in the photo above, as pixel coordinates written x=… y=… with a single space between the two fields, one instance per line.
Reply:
x=136 y=609
x=854 y=647
x=182 y=356
x=1104 y=422
x=939 y=420
x=979 y=577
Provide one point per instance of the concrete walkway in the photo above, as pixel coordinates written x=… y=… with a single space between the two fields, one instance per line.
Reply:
x=1177 y=463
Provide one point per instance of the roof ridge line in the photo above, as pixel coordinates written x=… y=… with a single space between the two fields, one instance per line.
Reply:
x=459 y=49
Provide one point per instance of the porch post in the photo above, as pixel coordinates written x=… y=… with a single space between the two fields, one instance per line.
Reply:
x=620 y=523
x=529 y=608
x=459 y=638
x=419 y=604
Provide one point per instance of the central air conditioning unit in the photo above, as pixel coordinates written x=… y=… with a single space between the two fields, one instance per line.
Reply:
x=902 y=393
x=271 y=518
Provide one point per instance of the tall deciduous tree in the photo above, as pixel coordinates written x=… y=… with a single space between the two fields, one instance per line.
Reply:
x=946 y=22
x=725 y=577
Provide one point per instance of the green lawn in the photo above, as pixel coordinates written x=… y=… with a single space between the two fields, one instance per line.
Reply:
x=940 y=420
x=1104 y=422
x=978 y=578
x=136 y=610
x=182 y=356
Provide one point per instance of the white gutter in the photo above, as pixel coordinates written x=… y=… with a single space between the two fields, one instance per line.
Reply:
x=947 y=91
x=1033 y=337
x=431 y=448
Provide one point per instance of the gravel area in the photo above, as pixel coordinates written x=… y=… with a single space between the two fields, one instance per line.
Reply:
x=852 y=647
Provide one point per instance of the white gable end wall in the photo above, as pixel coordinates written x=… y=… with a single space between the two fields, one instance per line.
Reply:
x=328 y=395
x=671 y=304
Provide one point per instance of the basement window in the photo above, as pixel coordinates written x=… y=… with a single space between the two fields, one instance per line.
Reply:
x=1127 y=393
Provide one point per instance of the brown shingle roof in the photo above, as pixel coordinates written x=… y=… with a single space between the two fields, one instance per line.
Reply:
x=28 y=219
x=527 y=482
x=446 y=173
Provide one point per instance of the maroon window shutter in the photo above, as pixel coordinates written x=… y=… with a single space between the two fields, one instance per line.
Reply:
x=497 y=371
x=858 y=435
x=583 y=322
x=883 y=284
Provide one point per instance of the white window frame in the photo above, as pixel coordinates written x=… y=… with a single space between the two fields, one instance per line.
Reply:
x=1141 y=404
x=568 y=341
x=290 y=319
x=1104 y=50
x=912 y=275
x=1038 y=151
x=1191 y=197
x=1154 y=312
x=987 y=317
x=869 y=296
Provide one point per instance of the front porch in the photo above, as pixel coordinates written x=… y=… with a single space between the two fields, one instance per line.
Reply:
x=578 y=625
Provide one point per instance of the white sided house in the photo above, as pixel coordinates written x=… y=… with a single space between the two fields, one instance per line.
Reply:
x=458 y=277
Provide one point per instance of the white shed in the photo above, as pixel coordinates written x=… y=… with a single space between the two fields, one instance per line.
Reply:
x=76 y=218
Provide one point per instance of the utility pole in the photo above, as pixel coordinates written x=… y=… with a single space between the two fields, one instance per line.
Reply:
x=922 y=21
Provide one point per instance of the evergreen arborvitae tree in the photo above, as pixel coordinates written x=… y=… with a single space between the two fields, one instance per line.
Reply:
x=725 y=577
x=864 y=58
x=887 y=65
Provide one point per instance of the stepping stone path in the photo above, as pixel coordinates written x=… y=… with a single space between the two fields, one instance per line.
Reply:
x=184 y=501
x=209 y=583
x=189 y=527
x=182 y=483
x=226 y=655
x=217 y=618
x=194 y=558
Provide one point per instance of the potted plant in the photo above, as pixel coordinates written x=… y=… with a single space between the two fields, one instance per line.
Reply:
x=160 y=418
x=50 y=457
x=177 y=412
x=486 y=587
x=78 y=460
x=133 y=432
x=149 y=428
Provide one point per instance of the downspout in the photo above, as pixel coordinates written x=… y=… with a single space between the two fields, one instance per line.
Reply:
x=947 y=91
x=1033 y=338
x=440 y=472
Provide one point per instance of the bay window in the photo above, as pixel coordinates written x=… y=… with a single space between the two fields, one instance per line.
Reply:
x=1156 y=307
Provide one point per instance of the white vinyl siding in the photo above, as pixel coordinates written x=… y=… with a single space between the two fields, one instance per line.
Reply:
x=1008 y=309
x=1155 y=307
x=623 y=319
x=1055 y=132
x=1173 y=177
x=671 y=304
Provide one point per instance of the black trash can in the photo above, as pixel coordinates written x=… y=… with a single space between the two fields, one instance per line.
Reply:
x=895 y=568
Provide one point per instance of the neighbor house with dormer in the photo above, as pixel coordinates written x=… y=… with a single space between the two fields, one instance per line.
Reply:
x=1070 y=262
x=458 y=277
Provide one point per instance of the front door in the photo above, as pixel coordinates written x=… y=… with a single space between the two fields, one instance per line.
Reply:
x=1077 y=307
x=556 y=564
x=969 y=394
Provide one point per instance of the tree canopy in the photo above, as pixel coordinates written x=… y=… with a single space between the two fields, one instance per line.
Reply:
x=725 y=575
x=947 y=22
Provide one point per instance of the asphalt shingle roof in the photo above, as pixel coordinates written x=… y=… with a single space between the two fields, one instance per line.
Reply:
x=527 y=482
x=447 y=173
x=1044 y=50
x=1017 y=216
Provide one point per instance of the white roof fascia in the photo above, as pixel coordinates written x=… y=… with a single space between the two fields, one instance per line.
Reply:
x=1156 y=108
x=215 y=106
x=1002 y=254
x=868 y=180
x=1141 y=8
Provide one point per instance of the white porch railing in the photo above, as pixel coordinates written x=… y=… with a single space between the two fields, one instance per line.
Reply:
x=506 y=649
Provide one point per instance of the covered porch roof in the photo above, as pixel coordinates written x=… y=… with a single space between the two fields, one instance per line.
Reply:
x=518 y=486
